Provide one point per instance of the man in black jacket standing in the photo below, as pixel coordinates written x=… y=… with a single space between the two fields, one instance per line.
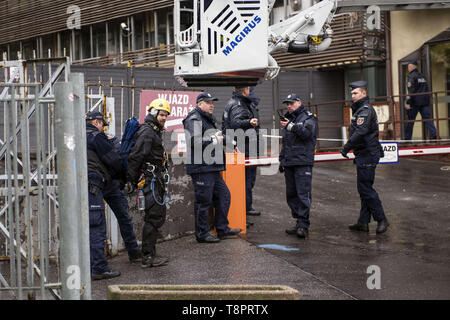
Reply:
x=148 y=157
x=420 y=103
x=368 y=151
x=297 y=160
x=241 y=112
x=105 y=168
x=204 y=167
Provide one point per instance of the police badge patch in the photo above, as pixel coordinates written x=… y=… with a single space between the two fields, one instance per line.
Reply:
x=360 y=121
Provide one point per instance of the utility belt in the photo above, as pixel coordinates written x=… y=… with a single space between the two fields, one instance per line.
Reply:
x=155 y=177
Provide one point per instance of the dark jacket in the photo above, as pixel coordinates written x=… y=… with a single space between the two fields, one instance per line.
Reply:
x=101 y=156
x=416 y=84
x=196 y=124
x=147 y=148
x=299 y=139
x=238 y=112
x=364 y=129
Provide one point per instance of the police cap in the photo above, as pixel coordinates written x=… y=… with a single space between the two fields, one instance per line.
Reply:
x=95 y=115
x=358 y=84
x=291 y=98
x=205 y=96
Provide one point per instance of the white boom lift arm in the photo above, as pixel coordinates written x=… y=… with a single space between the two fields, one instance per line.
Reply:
x=227 y=43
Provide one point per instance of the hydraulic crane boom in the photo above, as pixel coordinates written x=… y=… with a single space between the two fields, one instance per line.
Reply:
x=228 y=43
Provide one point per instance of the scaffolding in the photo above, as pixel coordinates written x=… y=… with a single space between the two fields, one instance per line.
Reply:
x=43 y=219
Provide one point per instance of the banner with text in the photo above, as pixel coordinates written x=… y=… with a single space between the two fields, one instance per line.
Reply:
x=181 y=103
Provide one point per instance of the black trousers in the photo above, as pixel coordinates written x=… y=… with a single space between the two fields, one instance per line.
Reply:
x=298 y=193
x=155 y=216
x=250 y=178
x=370 y=202
x=210 y=189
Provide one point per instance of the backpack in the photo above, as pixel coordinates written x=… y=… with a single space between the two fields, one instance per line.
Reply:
x=128 y=139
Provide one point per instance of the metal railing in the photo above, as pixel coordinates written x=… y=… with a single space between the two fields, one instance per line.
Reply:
x=34 y=213
x=162 y=56
x=394 y=126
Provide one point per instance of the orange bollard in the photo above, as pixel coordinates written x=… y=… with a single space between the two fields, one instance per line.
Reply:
x=234 y=177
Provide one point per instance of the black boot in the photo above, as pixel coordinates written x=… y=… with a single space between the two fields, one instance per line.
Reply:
x=253 y=212
x=359 y=227
x=292 y=230
x=302 y=233
x=135 y=256
x=149 y=261
x=382 y=226
x=106 y=275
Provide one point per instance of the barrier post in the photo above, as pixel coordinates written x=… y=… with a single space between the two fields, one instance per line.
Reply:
x=234 y=177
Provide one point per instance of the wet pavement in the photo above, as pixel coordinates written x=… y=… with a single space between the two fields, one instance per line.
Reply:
x=413 y=257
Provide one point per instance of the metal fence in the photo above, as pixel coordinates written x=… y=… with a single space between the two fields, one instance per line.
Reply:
x=44 y=252
x=392 y=126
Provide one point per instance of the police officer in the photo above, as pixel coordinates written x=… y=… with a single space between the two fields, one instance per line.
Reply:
x=118 y=203
x=241 y=112
x=367 y=149
x=420 y=103
x=297 y=160
x=105 y=167
x=210 y=189
x=148 y=157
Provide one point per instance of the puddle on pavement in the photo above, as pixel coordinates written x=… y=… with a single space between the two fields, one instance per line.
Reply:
x=277 y=247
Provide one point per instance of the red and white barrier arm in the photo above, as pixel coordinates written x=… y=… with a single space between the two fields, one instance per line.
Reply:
x=336 y=156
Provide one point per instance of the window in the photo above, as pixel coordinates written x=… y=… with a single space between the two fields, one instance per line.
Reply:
x=99 y=39
x=171 y=32
x=14 y=48
x=125 y=35
x=162 y=26
x=139 y=22
x=77 y=45
x=86 y=49
x=28 y=47
x=112 y=38
x=65 y=43
x=150 y=30
x=48 y=43
x=3 y=49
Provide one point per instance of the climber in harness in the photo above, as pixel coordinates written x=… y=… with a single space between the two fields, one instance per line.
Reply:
x=148 y=171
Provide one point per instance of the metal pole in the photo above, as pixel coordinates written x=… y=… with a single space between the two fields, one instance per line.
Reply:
x=17 y=198
x=69 y=205
x=26 y=186
x=436 y=115
x=12 y=255
x=81 y=154
x=40 y=201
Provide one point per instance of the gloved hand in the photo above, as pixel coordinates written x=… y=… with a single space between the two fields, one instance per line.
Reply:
x=381 y=151
x=344 y=152
x=281 y=169
x=129 y=188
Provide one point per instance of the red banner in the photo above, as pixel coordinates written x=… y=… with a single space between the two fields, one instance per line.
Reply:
x=181 y=103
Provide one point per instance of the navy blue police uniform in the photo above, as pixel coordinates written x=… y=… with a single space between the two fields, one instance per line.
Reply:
x=237 y=115
x=118 y=203
x=297 y=161
x=104 y=166
x=421 y=103
x=367 y=150
x=209 y=186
